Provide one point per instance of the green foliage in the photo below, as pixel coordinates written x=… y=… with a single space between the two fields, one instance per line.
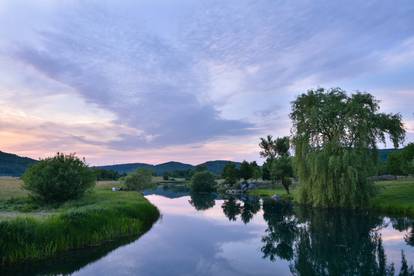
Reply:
x=256 y=171
x=216 y=167
x=102 y=174
x=203 y=182
x=230 y=174
x=335 y=140
x=96 y=218
x=200 y=168
x=282 y=171
x=272 y=148
x=246 y=171
x=58 y=179
x=401 y=162
x=268 y=146
x=139 y=180
x=166 y=176
x=278 y=165
x=266 y=170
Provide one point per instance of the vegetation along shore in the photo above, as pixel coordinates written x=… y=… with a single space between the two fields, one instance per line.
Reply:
x=32 y=230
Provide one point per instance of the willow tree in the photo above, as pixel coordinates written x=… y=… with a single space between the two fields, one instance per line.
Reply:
x=335 y=137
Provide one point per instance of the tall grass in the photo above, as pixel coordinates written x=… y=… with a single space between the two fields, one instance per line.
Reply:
x=98 y=217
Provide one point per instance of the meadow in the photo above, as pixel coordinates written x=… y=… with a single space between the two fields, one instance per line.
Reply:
x=391 y=197
x=33 y=231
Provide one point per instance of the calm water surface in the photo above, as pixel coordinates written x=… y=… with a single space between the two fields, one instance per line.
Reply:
x=208 y=236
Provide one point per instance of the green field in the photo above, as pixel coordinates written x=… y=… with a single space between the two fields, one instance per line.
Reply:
x=32 y=231
x=392 y=197
x=395 y=197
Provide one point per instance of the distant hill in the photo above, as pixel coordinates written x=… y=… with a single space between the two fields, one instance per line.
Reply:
x=172 y=166
x=215 y=167
x=14 y=165
x=158 y=169
x=126 y=168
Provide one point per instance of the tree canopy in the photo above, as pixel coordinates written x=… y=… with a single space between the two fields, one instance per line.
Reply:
x=246 y=171
x=335 y=139
x=139 y=180
x=401 y=162
x=230 y=173
x=203 y=182
x=278 y=165
x=59 y=178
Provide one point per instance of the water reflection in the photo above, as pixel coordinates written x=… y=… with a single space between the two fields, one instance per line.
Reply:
x=202 y=201
x=205 y=234
x=404 y=224
x=321 y=242
x=281 y=232
x=65 y=263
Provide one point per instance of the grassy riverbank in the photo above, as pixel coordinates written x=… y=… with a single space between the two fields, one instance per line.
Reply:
x=392 y=197
x=395 y=197
x=42 y=231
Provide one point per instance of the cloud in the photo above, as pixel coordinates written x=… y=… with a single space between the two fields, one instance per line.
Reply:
x=163 y=74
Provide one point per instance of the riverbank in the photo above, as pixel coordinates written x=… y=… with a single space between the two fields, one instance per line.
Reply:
x=392 y=197
x=30 y=232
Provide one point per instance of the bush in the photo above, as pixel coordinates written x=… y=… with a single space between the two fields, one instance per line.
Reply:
x=58 y=179
x=139 y=180
x=203 y=182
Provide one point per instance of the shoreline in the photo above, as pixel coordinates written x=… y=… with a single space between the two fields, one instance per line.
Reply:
x=393 y=198
x=100 y=217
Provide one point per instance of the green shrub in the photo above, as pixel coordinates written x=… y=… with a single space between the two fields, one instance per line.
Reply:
x=139 y=180
x=58 y=179
x=203 y=182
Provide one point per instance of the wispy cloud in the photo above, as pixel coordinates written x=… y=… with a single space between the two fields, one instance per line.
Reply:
x=150 y=75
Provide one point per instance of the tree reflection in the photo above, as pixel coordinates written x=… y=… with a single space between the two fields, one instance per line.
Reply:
x=281 y=231
x=401 y=224
x=409 y=237
x=202 y=201
x=333 y=242
x=251 y=205
x=317 y=241
x=405 y=224
x=231 y=208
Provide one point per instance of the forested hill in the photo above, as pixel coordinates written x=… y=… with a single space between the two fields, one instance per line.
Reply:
x=215 y=167
x=14 y=165
x=158 y=169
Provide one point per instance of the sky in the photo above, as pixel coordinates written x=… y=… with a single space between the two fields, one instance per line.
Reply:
x=190 y=81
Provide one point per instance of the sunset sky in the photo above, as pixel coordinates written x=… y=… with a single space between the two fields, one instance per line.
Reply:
x=191 y=81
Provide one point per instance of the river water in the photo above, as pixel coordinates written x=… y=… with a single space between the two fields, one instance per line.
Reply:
x=205 y=235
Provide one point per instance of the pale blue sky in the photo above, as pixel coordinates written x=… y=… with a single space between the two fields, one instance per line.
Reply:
x=153 y=81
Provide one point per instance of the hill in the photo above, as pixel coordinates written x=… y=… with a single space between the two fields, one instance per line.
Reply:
x=14 y=165
x=217 y=166
x=126 y=168
x=171 y=166
x=159 y=169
